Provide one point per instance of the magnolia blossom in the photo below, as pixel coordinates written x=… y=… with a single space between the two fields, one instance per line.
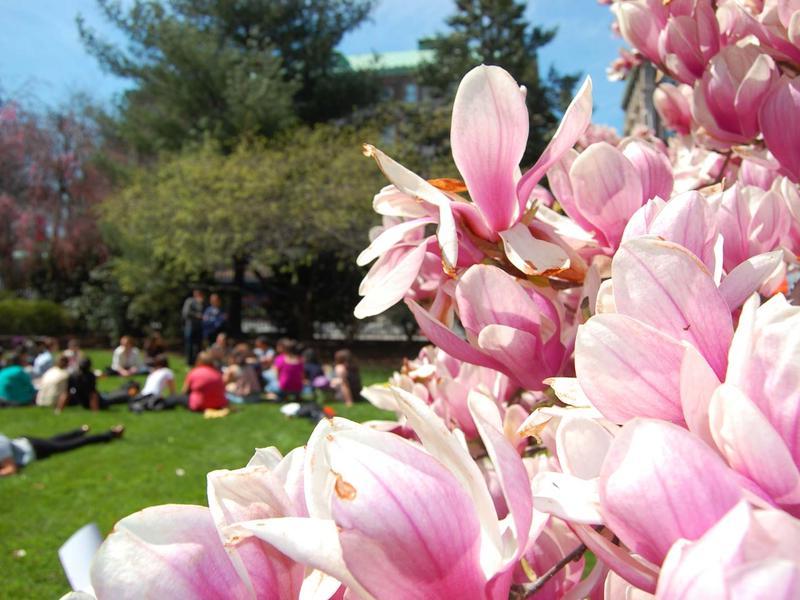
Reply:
x=601 y=187
x=184 y=551
x=664 y=299
x=749 y=553
x=780 y=133
x=488 y=138
x=729 y=95
x=516 y=329
x=392 y=520
x=673 y=104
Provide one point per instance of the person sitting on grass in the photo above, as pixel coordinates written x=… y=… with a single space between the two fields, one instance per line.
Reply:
x=45 y=358
x=203 y=387
x=153 y=348
x=54 y=384
x=74 y=355
x=241 y=376
x=126 y=360
x=346 y=381
x=263 y=352
x=82 y=388
x=161 y=379
x=16 y=388
x=315 y=379
x=288 y=367
x=21 y=451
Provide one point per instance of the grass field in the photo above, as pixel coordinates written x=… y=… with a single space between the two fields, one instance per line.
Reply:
x=163 y=458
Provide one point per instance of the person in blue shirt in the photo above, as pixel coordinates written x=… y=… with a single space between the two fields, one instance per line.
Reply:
x=45 y=358
x=213 y=319
x=16 y=388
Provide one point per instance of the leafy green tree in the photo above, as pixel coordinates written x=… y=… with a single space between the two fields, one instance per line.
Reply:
x=293 y=212
x=496 y=32
x=227 y=69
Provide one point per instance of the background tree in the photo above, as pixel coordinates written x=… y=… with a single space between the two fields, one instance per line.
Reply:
x=496 y=32
x=292 y=212
x=227 y=69
x=50 y=186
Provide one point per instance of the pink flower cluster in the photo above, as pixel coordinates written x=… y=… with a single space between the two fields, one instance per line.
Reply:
x=616 y=368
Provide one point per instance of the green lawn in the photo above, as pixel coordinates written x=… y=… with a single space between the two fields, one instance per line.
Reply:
x=41 y=507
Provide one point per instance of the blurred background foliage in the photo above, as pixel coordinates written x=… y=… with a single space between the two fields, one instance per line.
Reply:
x=233 y=161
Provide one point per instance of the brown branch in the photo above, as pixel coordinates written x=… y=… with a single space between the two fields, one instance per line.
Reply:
x=548 y=575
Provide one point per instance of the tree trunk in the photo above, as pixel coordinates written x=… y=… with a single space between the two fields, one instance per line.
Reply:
x=235 y=311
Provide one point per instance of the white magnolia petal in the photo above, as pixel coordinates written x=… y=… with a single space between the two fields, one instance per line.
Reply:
x=530 y=255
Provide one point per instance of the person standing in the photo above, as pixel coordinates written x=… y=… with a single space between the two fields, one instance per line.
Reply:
x=213 y=319
x=192 y=314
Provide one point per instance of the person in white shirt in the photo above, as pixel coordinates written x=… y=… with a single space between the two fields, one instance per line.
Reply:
x=54 y=384
x=162 y=378
x=126 y=360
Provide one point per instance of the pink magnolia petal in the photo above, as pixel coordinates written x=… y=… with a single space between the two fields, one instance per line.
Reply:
x=616 y=588
x=775 y=580
x=747 y=277
x=687 y=220
x=655 y=171
x=444 y=338
x=637 y=572
x=781 y=134
x=667 y=287
x=309 y=541
x=752 y=446
x=743 y=537
x=243 y=495
x=582 y=445
x=530 y=255
x=170 y=551
x=574 y=122
x=510 y=470
x=764 y=364
x=445 y=446
x=392 y=285
x=617 y=368
x=697 y=385
x=658 y=464
x=407 y=527
x=392 y=202
x=607 y=189
x=416 y=187
x=519 y=352
x=488 y=295
x=488 y=136
x=673 y=104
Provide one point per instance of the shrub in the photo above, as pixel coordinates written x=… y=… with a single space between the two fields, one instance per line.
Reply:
x=32 y=317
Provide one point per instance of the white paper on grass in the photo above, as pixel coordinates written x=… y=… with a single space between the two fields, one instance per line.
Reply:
x=76 y=556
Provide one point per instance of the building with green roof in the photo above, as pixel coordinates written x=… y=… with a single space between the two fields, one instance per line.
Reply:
x=397 y=71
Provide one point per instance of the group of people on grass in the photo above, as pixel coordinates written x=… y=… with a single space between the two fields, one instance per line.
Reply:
x=223 y=373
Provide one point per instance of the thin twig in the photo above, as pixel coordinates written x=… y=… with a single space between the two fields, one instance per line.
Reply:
x=548 y=575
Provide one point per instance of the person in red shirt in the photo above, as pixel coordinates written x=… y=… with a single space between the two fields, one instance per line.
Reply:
x=203 y=387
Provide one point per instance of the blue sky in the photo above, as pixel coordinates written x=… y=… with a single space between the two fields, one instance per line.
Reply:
x=42 y=60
